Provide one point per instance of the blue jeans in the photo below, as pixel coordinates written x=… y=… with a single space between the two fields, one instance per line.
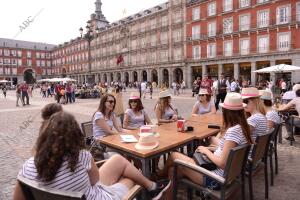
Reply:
x=73 y=96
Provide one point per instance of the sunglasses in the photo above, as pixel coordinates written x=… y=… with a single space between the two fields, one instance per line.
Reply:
x=111 y=101
x=201 y=95
x=246 y=101
x=133 y=101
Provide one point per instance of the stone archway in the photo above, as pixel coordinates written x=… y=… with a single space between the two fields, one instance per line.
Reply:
x=154 y=76
x=118 y=77
x=166 y=77
x=64 y=73
x=144 y=76
x=135 y=76
x=111 y=77
x=29 y=76
x=178 y=75
x=126 y=78
x=105 y=78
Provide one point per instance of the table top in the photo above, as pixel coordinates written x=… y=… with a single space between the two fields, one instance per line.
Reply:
x=169 y=138
x=207 y=118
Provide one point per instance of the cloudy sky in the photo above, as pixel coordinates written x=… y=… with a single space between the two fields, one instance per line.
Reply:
x=58 y=21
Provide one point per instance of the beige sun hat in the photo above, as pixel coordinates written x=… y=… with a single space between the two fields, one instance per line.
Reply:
x=164 y=94
x=233 y=101
x=134 y=96
x=266 y=95
x=250 y=92
x=296 y=87
x=203 y=91
x=147 y=141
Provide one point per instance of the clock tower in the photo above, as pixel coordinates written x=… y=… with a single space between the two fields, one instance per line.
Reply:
x=98 y=19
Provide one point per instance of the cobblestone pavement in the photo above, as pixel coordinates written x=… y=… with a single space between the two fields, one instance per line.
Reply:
x=19 y=129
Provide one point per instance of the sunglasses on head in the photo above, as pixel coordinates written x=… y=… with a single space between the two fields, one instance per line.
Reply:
x=111 y=101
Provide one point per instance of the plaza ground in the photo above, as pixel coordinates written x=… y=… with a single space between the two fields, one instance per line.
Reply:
x=19 y=129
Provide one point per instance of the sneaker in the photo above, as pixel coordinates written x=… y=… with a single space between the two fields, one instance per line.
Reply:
x=290 y=138
x=162 y=186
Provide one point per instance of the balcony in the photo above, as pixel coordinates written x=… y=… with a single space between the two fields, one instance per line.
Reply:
x=267 y=25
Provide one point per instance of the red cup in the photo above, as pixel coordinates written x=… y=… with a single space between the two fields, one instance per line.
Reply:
x=180 y=125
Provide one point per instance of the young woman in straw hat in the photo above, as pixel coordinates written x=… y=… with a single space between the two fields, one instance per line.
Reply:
x=61 y=162
x=135 y=115
x=255 y=108
x=271 y=115
x=204 y=105
x=235 y=132
x=165 y=113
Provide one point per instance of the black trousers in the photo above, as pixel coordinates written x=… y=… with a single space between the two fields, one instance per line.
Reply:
x=220 y=97
x=25 y=95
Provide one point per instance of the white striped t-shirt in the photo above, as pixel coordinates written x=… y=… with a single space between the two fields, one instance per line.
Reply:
x=70 y=181
x=273 y=116
x=234 y=134
x=259 y=124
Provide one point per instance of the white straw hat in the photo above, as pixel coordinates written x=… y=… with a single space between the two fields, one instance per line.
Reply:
x=147 y=141
x=266 y=95
x=250 y=92
x=164 y=94
x=296 y=87
x=203 y=91
x=134 y=96
x=233 y=101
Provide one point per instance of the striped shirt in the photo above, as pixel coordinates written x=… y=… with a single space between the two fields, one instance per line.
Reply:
x=136 y=121
x=259 y=124
x=234 y=134
x=273 y=116
x=66 y=180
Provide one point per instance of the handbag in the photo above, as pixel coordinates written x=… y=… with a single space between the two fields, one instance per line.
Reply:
x=203 y=161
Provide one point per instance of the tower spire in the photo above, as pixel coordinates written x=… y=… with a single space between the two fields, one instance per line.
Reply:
x=98 y=17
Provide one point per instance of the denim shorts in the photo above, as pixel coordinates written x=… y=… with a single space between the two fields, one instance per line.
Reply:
x=211 y=183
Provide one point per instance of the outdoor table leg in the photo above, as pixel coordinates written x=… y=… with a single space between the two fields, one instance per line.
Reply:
x=280 y=135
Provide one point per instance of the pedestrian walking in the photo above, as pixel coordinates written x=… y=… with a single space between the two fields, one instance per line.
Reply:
x=221 y=91
x=18 y=95
x=182 y=86
x=144 y=89
x=4 y=89
x=24 y=88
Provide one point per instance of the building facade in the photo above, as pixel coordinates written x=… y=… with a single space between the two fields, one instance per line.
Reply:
x=236 y=37
x=147 y=46
x=21 y=60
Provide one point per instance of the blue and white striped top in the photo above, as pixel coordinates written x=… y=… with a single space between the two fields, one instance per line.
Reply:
x=234 y=134
x=70 y=181
x=259 y=124
x=273 y=116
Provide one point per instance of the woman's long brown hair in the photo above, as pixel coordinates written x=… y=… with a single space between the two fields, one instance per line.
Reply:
x=236 y=117
x=60 y=139
x=101 y=107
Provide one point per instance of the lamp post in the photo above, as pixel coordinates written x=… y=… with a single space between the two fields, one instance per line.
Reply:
x=89 y=36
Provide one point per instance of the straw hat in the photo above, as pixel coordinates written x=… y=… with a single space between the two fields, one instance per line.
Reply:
x=147 y=141
x=296 y=87
x=266 y=95
x=164 y=94
x=233 y=101
x=203 y=91
x=250 y=92
x=134 y=96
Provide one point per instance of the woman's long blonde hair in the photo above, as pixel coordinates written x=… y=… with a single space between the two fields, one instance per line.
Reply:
x=163 y=104
x=259 y=106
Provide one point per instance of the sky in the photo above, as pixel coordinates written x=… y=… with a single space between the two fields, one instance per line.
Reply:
x=58 y=21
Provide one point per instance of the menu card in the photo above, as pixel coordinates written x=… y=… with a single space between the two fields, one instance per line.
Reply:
x=128 y=138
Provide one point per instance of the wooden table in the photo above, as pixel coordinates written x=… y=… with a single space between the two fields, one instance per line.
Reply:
x=207 y=119
x=169 y=139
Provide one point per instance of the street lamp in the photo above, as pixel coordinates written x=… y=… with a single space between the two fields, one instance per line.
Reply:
x=89 y=36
